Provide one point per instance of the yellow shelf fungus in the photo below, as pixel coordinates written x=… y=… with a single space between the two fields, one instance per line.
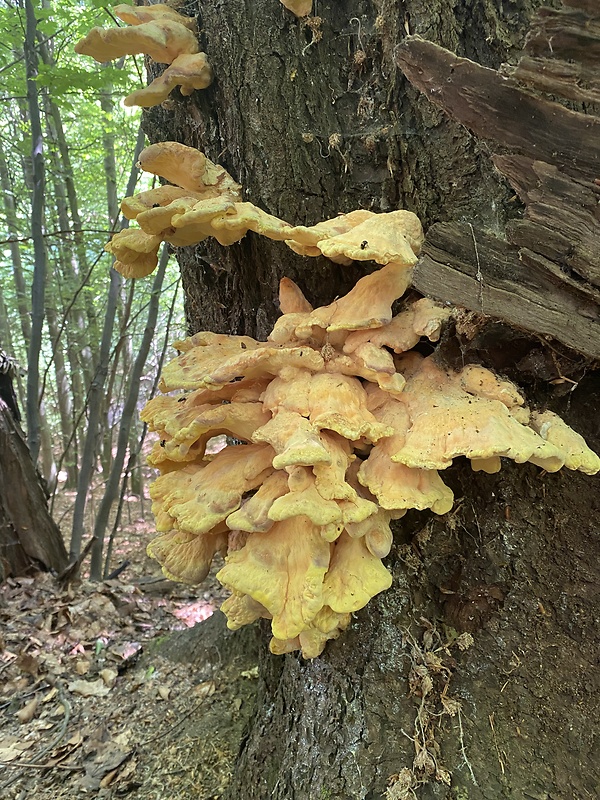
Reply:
x=343 y=425
x=203 y=200
x=161 y=33
x=328 y=455
x=301 y=8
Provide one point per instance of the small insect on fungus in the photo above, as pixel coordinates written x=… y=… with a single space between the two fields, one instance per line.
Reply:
x=163 y=442
x=364 y=245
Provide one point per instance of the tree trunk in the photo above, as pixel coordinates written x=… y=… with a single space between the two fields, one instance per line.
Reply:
x=314 y=117
x=38 y=284
x=95 y=396
x=29 y=538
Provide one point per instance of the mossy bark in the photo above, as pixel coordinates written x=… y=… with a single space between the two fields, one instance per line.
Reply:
x=314 y=117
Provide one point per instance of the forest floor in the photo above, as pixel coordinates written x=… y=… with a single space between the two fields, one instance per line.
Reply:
x=90 y=702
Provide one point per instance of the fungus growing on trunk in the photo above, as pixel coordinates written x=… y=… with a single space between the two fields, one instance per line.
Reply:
x=204 y=201
x=163 y=34
x=301 y=8
x=346 y=425
x=334 y=452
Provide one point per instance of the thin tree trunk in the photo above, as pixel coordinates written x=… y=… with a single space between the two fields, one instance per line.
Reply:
x=79 y=264
x=17 y=267
x=6 y=340
x=95 y=397
x=64 y=398
x=118 y=369
x=129 y=408
x=38 y=286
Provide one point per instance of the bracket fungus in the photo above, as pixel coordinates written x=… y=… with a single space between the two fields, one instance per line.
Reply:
x=328 y=454
x=203 y=200
x=163 y=34
x=301 y=8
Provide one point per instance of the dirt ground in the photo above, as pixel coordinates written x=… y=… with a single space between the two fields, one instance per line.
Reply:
x=90 y=702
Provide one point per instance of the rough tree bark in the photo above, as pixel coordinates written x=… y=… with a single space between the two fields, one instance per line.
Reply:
x=315 y=117
x=29 y=538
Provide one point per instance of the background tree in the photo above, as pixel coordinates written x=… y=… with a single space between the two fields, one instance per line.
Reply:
x=314 y=117
x=65 y=115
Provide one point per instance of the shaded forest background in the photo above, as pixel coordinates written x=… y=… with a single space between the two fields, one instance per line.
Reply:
x=86 y=358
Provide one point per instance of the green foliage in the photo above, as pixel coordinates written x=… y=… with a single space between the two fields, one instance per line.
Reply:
x=72 y=90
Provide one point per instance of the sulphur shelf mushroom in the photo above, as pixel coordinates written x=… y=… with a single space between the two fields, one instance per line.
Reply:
x=161 y=33
x=331 y=449
x=301 y=8
x=204 y=200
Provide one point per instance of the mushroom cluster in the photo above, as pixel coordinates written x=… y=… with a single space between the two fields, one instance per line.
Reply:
x=337 y=426
x=161 y=33
x=201 y=199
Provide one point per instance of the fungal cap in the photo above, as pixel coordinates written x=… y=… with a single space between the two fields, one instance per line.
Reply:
x=402 y=333
x=576 y=454
x=367 y=305
x=304 y=499
x=213 y=490
x=392 y=238
x=184 y=556
x=301 y=8
x=355 y=575
x=189 y=168
x=163 y=40
x=188 y=71
x=283 y=570
x=135 y=252
x=241 y=609
x=158 y=196
x=253 y=514
x=447 y=421
x=291 y=298
x=305 y=240
x=135 y=15
x=295 y=440
x=397 y=486
x=248 y=217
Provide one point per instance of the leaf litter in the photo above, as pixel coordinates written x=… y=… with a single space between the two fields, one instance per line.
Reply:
x=90 y=703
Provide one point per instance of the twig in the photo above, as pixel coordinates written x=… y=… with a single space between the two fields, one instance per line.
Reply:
x=463 y=750
x=116 y=572
x=72 y=570
x=28 y=765
x=479 y=274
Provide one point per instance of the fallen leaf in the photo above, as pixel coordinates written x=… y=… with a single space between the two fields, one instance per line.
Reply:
x=164 y=692
x=249 y=673
x=8 y=754
x=205 y=689
x=192 y=613
x=51 y=695
x=28 y=663
x=89 y=688
x=81 y=667
x=109 y=676
x=27 y=713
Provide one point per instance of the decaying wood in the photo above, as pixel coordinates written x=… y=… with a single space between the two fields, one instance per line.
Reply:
x=491 y=276
x=29 y=538
x=545 y=277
